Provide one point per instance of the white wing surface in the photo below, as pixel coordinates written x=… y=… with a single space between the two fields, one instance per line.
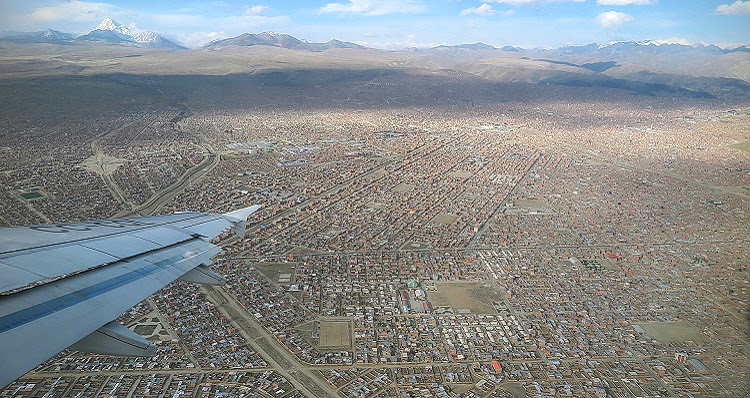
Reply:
x=63 y=285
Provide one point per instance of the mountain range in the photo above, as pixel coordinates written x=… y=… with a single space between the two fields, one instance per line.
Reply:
x=644 y=67
x=110 y=31
x=46 y=36
x=277 y=40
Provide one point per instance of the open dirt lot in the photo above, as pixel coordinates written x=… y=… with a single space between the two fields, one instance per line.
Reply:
x=460 y=174
x=102 y=164
x=335 y=334
x=465 y=295
x=373 y=206
x=444 y=218
x=403 y=188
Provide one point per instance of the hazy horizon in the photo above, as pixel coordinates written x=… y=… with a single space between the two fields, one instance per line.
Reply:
x=394 y=25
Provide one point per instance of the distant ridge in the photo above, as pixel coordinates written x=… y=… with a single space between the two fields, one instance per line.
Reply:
x=643 y=47
x=110 y=31
x=743 y=49
x=277 y=40
x=474 y=46
x=478 y=46
x=46 y=36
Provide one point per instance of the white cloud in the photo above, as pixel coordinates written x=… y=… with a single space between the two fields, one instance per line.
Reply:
x=174 y=20
x=74 y=11
x=624 y=2
x=205 y=29
x=528 y=2
x=398 y=41
x=255 y=10
x=197 y=39
x=673 y=40
x=736 y=8
x=484 y=10
x=613 y=19
x=374 y=7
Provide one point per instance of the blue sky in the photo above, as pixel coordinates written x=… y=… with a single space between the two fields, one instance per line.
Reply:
x=394 y=24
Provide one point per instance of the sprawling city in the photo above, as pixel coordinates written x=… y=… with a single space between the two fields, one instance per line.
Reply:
x=464 y=222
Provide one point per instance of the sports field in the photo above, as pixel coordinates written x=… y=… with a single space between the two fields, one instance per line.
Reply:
x=444 y=218
x=274 y=270
x=671 y=332
x=470 y=296
x=335 y=334
x=31 y=195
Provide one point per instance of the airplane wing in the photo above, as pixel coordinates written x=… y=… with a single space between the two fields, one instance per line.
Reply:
x=63 y=285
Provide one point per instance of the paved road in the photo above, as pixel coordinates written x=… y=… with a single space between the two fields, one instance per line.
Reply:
x=32 y=209
x=504 y=203
x=511 y=248
x=159 y=199
x=115 y=189
x=299 y=374
x=304 y=376
x=574 y=148
x=96 y=150
x=343 y=197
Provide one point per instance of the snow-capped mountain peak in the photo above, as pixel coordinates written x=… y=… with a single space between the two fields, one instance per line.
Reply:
x=114 y=26
x=112 y=31
x=52 y=34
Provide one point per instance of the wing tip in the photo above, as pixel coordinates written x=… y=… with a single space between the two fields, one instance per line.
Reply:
x=239 y=217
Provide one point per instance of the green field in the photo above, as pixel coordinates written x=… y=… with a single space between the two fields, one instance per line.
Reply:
x=742 y=146
x=598 y=264
x=671 y=332
x=273 y=270
x=31 y=195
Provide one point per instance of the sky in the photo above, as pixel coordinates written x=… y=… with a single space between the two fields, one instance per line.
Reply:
x=396 y=24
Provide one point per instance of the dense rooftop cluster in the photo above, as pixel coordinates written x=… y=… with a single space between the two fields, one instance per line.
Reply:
x=549 y=248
